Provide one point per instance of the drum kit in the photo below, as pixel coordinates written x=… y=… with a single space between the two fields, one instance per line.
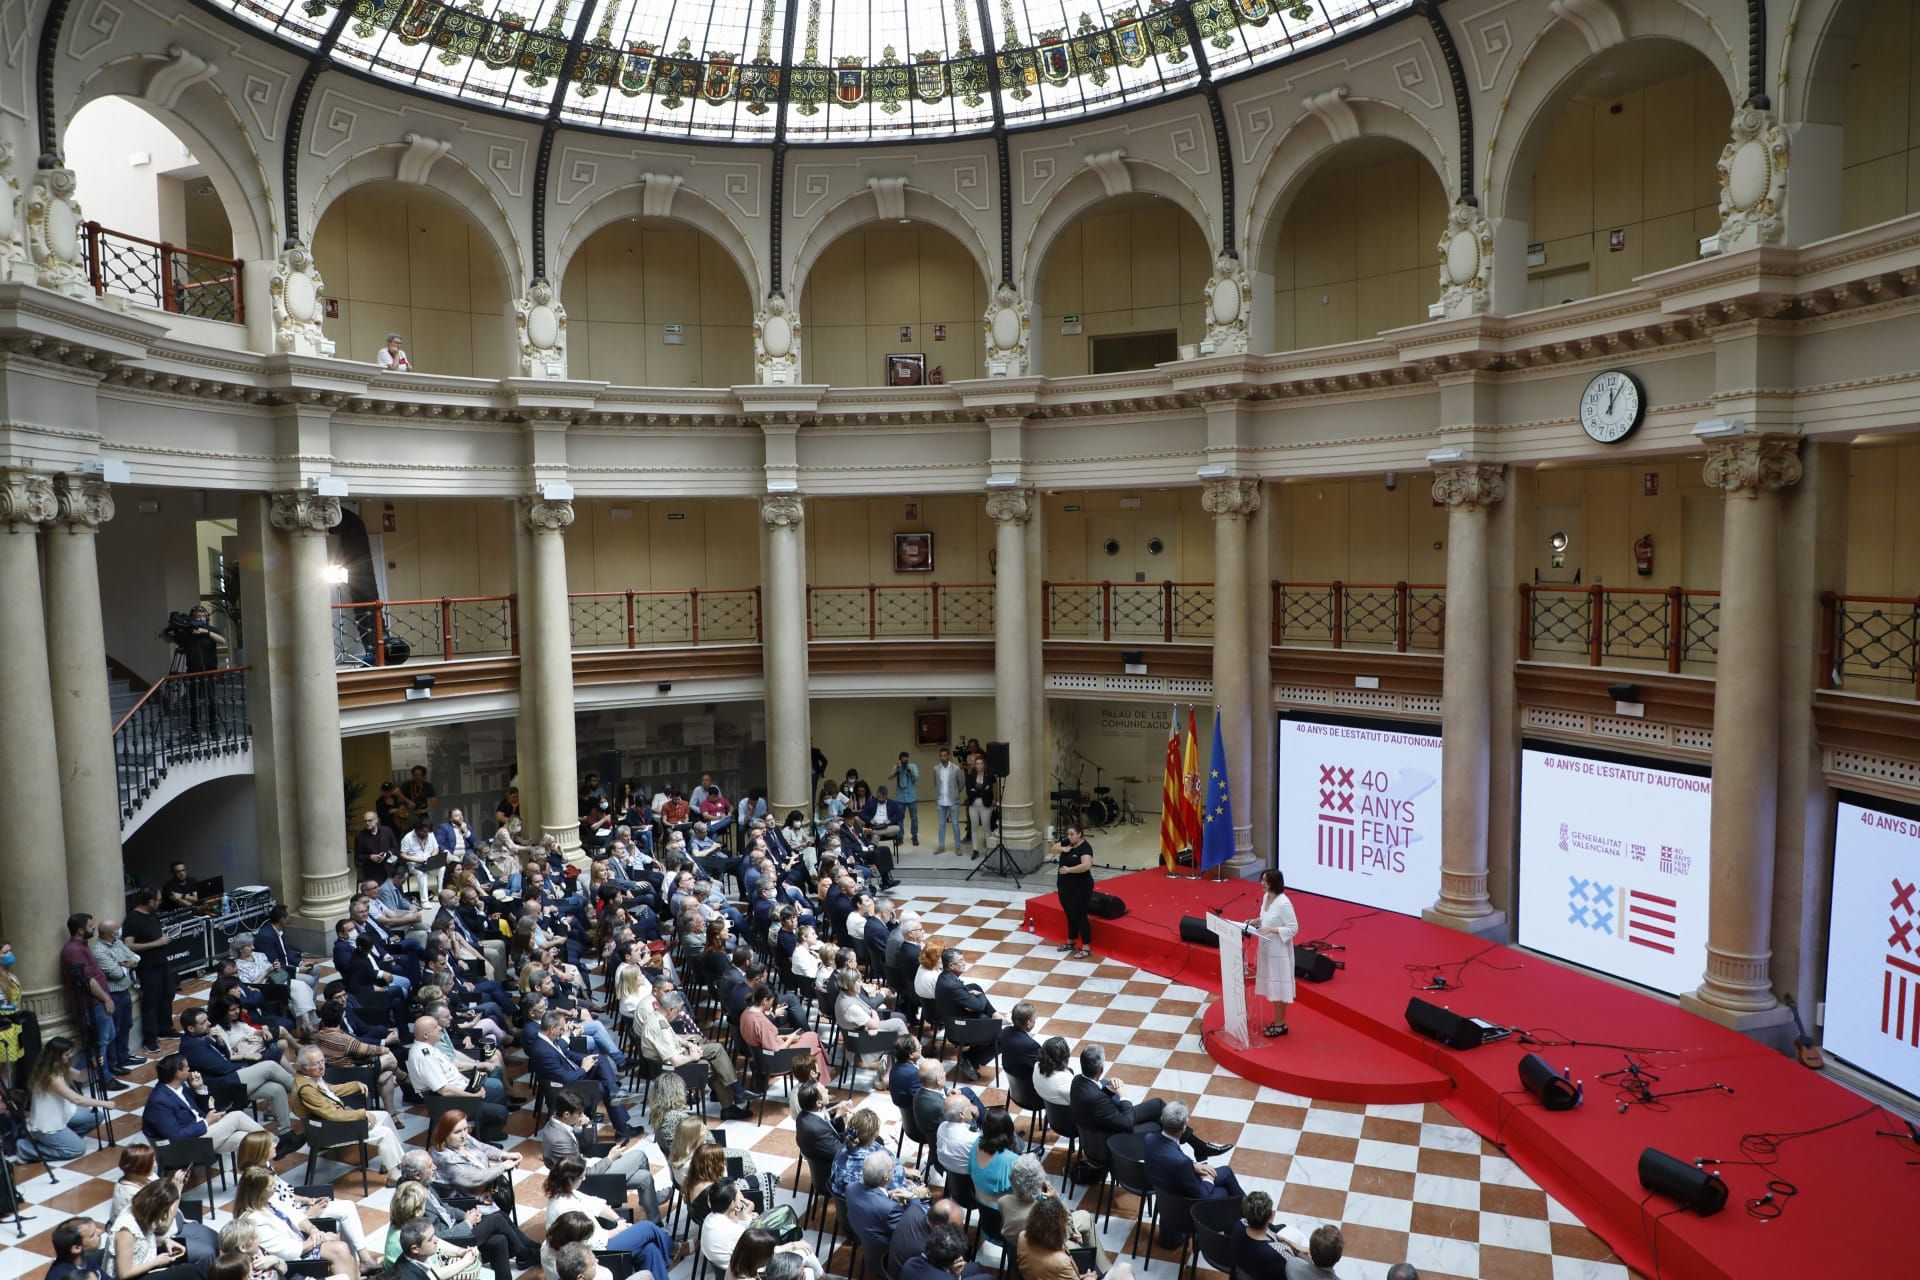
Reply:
x=1095 y=810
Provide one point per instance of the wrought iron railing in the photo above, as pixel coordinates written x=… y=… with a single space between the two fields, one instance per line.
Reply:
x=661 y=619
x=1870 y=644
x=164 y=275
x=914 y=611
x=1600 y=625
x=1401 y=617
x=1128 y=611
x=191 y=716
x=380 y=633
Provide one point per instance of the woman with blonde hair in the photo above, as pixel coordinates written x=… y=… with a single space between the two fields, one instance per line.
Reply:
x=630 y=986
x=286 y=1234
x=449 y=1262
x=257 y=1149
x=240 y=1243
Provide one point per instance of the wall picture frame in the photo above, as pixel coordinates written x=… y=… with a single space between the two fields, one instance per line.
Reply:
x=907 y=369
x=913 y=553
x=931 y=728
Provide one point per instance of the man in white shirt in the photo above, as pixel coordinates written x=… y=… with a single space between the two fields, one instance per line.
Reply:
x=397 y=913
x=416 y=847
x=392 y=358
x=434 y=1071
x=949 y=787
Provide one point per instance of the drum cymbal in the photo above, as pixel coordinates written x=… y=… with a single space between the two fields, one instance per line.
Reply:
x=1127 y=777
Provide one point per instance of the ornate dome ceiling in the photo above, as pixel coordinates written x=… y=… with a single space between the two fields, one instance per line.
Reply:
x=858 y=70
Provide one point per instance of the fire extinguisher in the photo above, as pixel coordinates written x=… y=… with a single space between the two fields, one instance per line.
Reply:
x=1643 y=555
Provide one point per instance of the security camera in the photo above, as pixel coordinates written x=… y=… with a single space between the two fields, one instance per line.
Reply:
x=1393 y=481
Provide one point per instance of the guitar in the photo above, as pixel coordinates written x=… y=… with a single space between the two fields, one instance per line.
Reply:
x=1803 y=1046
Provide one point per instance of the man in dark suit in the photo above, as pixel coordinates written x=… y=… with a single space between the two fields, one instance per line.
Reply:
x=930 y=1100
x=1019 y=1051
x=818 y=1130
x=945 y=1258
x=264 y=1081
x=955 y=998
x=177 y=1109
x=1099 y=1111
x=921 y=1220
x=1169 y=1168
x=554 y=1063
x=879 y=928
x=874 y=1208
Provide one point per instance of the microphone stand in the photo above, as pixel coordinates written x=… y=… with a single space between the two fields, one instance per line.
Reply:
x=1638 y=1083
x=17 y=1128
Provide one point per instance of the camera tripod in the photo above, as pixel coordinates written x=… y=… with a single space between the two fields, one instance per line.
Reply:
x=16 y=1128
x=96 y=1058
x=998 y=859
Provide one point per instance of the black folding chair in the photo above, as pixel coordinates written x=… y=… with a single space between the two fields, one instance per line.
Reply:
x=329 y=1135
x=976 y=1033
x=190 y=1153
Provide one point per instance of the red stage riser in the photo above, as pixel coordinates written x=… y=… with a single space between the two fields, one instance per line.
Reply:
x=1587 y=1158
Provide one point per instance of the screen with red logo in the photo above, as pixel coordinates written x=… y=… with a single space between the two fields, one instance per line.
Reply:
x=1873 y=941
x=1359 y=812
x=1614 y=865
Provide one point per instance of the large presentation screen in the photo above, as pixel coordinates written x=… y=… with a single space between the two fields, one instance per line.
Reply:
x=1359 y=812
x=1873 y=941
x=1614 y=865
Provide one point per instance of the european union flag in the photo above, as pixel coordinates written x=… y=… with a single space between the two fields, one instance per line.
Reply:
x=1216 y=809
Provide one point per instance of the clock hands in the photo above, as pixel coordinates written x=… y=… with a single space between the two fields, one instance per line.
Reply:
x=1615 y=395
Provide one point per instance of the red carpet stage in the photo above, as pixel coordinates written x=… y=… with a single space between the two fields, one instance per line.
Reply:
x=1350 y=1042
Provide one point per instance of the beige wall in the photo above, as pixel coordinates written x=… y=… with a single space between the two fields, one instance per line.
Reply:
x=1606 y=509
x=1356 y=252
x=873 y=280
x=403 y=258
x=1076 y=539
x=1359 y=531
x=1642 y=163
x=1881 y=154
x=452 y=547
x=1883 y=519
x=1135 y=265
x=850 y=540
x=869 y=734
x=630 y=281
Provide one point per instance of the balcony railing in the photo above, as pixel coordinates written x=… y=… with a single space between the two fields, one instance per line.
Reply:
x=664 y=619
x=379 y=633
x=164 y=275
x=1870 y=644
x=1397 y=617
x=916 y=611
x=1599 y=625
x=1128 y=611
x=183 y=718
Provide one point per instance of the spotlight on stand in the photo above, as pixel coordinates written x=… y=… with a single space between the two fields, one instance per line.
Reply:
x=1555 y=1091
x=1690 y=1187
x=1133 y=661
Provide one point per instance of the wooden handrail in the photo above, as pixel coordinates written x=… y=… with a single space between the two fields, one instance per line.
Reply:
x=97 y=229
x=181 y=676
x=433 y=600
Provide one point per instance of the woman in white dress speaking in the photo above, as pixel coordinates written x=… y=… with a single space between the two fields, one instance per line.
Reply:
x=1276 y=927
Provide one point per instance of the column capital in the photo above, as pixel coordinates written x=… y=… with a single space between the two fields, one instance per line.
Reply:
x=1232 y=497
x=84 y=504
x=26 y=500
x=546 y=515
x=782 y=510
x=301 y=511
x=1010 y=506
x=1469 y=487
x=1747 y=467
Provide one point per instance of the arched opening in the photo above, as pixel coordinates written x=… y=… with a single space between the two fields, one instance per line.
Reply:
x=1354 y=252
x=1122 y=286
x=1615 y=174
x=886 y=289
x=1880 y=153
x=655 y=302
x=403 y=258
x=148 y=188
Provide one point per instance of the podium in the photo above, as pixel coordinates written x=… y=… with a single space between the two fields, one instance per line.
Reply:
x=1233 y=978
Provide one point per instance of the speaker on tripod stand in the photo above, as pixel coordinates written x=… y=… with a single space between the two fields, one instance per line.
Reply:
x=999 y=860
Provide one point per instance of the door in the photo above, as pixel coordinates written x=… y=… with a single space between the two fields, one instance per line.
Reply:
x=1560 y=616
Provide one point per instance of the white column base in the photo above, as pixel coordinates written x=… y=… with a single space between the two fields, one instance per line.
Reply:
x=1492 y=926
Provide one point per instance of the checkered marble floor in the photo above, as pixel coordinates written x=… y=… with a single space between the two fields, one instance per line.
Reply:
x=1403 y=1182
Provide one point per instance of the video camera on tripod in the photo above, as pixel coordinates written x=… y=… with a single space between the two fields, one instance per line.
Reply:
x=181 y=628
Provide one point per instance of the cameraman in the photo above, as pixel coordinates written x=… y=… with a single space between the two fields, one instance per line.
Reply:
x=197 y=646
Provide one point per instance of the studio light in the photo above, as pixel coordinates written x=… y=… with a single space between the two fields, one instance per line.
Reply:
x=1555 y=1091
x=337 y=575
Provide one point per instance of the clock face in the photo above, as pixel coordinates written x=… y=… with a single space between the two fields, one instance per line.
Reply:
x=1611 y=406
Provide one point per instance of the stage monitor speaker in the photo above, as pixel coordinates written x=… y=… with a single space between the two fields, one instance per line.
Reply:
x=1312 y=966
x=1444 y=1025
x=1193 y=929
x=1555 y=1091
x=999 y=759
x=1690 y=1186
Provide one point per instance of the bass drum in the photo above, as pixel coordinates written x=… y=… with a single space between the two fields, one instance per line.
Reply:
x=1102 y=812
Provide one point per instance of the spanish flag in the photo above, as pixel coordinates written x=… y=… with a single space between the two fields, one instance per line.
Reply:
x=1192 y=803
x=1173 y=807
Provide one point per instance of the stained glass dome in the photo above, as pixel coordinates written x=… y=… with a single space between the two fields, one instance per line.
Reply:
x=847 y=70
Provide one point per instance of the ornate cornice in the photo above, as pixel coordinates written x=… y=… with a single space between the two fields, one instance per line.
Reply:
x=1470 y=487
x=84 y=504
x=1010 y=506
x=26 y=500
x=1235 y=497
x=302 y=511
x=546 y=515
x=782 y=510
x=1746 y=468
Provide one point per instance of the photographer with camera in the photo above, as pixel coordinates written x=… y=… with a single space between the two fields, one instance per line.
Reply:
x=196 y=648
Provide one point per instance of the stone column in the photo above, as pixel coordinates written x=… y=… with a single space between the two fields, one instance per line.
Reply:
x=1013 y=683
x=784 y=658
x=546 y=672
x=1737 y=988
x=33 y=911
x=313 y=727
x=1466 y=716
x=82 y=725
x=1232 y=502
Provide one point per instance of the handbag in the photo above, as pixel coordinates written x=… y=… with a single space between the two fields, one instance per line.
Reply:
x=783 y=1222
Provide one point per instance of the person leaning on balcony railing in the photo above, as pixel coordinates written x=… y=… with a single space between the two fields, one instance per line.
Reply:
x=392 y=358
